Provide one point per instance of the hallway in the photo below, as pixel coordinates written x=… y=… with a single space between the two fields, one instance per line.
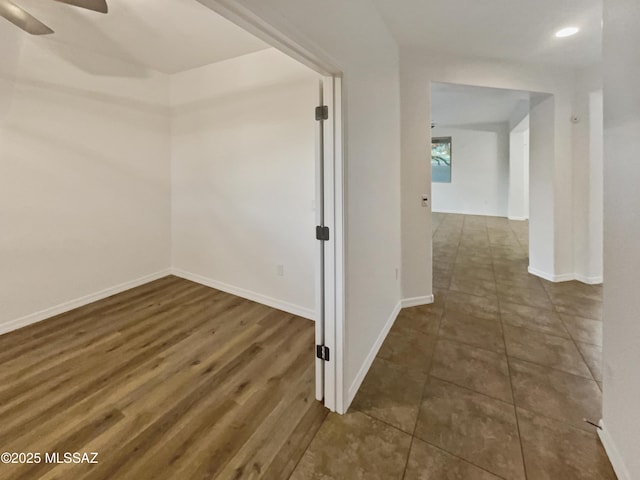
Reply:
x=491 y=381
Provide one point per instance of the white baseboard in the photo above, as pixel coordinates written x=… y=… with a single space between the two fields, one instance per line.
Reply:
x=518 y=219
x=79 y=302
x=613 y=453
x=589 y=280
x=565 y=277
x=355 y=386
x=248 y=294
x=416 y=301
x=482 y=214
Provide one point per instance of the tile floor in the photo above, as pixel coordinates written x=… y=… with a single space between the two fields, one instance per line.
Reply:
x=492 y=381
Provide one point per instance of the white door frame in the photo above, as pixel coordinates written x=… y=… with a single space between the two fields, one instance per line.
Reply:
x=333 y=334
x=280 y=37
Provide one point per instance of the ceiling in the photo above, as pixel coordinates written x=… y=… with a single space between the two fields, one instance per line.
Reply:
x=458 y=105
x=176 y=35
x=509 y=30
x=169 y=36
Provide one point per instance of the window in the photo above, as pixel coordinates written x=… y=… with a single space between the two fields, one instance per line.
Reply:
x=441 y=160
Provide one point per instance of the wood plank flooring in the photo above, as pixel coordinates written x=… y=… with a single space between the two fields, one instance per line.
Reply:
x=171 y=380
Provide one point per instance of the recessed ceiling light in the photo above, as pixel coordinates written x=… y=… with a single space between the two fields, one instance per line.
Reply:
x=567 y=32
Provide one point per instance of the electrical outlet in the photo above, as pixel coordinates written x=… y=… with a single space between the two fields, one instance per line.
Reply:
x=425 y=200
x=280 y=270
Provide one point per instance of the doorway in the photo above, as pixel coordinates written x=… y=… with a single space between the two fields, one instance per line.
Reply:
x=329 y=234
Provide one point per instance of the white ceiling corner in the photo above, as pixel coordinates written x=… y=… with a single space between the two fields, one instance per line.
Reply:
x=457 y=105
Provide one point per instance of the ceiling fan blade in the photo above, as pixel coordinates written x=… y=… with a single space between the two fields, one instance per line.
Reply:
x=94 y=5
x=22 y=19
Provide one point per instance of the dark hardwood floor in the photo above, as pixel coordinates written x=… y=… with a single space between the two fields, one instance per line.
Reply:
x=171 y=380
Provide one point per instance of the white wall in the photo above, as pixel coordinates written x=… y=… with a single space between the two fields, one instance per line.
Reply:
x=243 y=177
x=480 y=171
x=354 y=38
x=543 y=191
x=418 y=70
x=621 y=351
x=84 y=177
x=11 y=41
x=86 y=186
x=518 y=204
x=587 y=179
x=596 y=187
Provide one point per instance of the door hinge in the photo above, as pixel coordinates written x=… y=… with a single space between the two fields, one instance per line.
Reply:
x=322 y=113
x=322 y=233
x=322 y=352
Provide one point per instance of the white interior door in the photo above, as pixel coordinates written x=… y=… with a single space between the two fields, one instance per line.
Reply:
x=326 y=235
x=330 y=258
x=320 y=256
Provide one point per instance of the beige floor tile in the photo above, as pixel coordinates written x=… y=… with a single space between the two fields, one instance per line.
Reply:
x=449 y=231
x=574 y=288
x=472 y=426
x=475 y=242
x=474 y=245
x=577 y=306
x=474 y=368
x=444 y=256
x=354 y=446
x=507 y=241
x=423 y=319
x=391 y=393
x=555 y=394
x=441 y=280
x=525 y=296
x=410 y=350
x=475 y=256
x=509 y=263
x=485 y=307
x=447 y=236
x=593 y=356
x=439 y=297
x=472 y=286
x=542 y=349
x=584 y=330
x=556 y=451
x=477 y=332
x=506 y=279
x=538 y=319
x=427 y=462
x=509 y=268
x=475 y=273
x=475 y=237
x=443 y=271
x=484 y=298
x=516 y=253
x=510 y=260
x=446 y=243
x=443 y=265
x=465 y=263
